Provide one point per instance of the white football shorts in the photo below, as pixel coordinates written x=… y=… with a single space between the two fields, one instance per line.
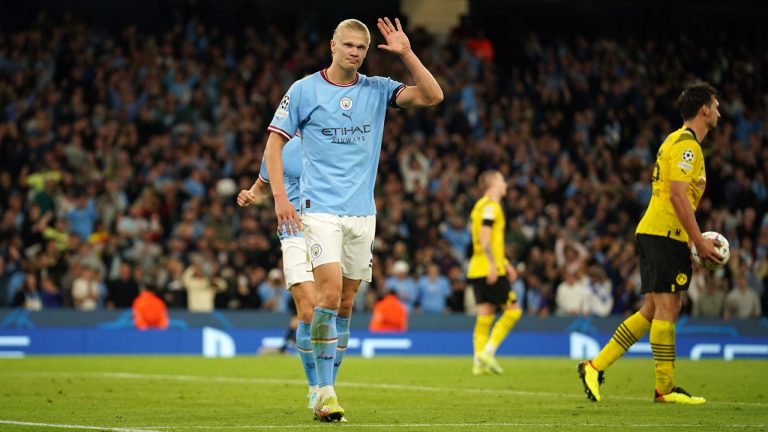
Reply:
x=295 y=264
x=347 y=240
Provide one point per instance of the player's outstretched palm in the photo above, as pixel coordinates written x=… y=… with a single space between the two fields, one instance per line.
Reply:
x=397 y=41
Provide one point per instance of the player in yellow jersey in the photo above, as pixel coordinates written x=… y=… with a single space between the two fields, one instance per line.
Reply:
x=490 y=274
x=663 y=236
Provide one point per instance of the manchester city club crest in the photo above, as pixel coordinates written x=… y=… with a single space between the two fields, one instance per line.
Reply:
x=315 y=250
x=345 y=103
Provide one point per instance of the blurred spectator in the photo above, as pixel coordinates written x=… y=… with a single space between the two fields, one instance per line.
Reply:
x=149 y=310
x=28 y=297
x=481 y=46
x=274 y=297
x=414 y=167
x=458 y=236
x=573 y=295
x=86 y=289
x=459 y=298
x=601 y=292
x=121 y=292
x=742 y=302
x=82 y=217
x=433 y=291
x=4 y=279
x=710 y=303
x=389 y=315
x=174 y=292
x=50 y=293
x=201 y=284
x=402 y=284
x=571 y=255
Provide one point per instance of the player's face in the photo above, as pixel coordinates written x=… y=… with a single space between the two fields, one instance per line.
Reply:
x=501 y=184
x=349 y=49
x=712 y=113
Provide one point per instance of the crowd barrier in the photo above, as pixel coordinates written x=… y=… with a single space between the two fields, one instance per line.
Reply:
x=226 y=334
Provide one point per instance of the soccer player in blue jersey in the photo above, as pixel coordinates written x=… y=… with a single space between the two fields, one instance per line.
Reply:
x=340 y=114
x=298 y=277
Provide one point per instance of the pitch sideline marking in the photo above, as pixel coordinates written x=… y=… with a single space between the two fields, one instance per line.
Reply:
x=244 y=380
x=74 y=426
x=361 y=426
x=461 y=425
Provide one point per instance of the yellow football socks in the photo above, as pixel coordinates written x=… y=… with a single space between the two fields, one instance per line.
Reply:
x=482 y=329
x=663 y=346
x=501 y=329
x=629 y=332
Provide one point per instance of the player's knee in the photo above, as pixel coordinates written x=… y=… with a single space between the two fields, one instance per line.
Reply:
x=668 y=309
x=330 y=300
x=306 y=312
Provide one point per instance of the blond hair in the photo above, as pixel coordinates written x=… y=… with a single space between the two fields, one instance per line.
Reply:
x=486 y=179
x=352 y=24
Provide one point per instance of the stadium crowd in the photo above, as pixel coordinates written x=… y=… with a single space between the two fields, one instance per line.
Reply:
x=121 y=154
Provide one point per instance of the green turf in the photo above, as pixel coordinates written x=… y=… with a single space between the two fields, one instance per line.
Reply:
x=387 y=393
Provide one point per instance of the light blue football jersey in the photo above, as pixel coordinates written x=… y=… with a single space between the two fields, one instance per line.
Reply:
x=341 y=131
x=292 y=168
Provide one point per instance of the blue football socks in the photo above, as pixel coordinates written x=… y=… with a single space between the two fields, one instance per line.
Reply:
x=324 y=340
x=304 y=346
x=342 y=332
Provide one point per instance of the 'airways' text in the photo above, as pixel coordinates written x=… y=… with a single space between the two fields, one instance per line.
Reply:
x=347 y=140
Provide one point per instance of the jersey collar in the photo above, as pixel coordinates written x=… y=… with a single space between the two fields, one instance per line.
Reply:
x=692 y=133
x=324 y=74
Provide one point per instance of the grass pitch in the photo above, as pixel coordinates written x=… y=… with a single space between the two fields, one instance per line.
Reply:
x=142 y=394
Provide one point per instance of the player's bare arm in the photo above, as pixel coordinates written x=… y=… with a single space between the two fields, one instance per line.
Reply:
x=678 y=195
x=427 y=91
x=511 y=272
x=287 y=218
x=256 y=195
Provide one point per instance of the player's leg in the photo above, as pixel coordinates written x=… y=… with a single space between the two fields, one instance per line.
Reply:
x=663 y=345
x=356 y=265
x=663 y=339
x=486 y=312
x=299 y=279
x=629 y=332
x=674 y=268
x=509 y=316
x=501 y=297
x=323 y=236
x=348 y=293
x=290 y=335
x=303 y=294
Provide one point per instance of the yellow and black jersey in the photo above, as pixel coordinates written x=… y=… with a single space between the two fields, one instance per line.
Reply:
x=679 y=159
x=487 y=212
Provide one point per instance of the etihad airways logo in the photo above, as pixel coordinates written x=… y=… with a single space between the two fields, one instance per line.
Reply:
x=346 y=135
x=350 y=134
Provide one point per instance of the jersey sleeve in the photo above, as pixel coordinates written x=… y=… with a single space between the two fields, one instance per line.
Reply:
x=683 y=159
x=288 y=114
x=489 y=214
x=263 y=173
x=393 y=90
